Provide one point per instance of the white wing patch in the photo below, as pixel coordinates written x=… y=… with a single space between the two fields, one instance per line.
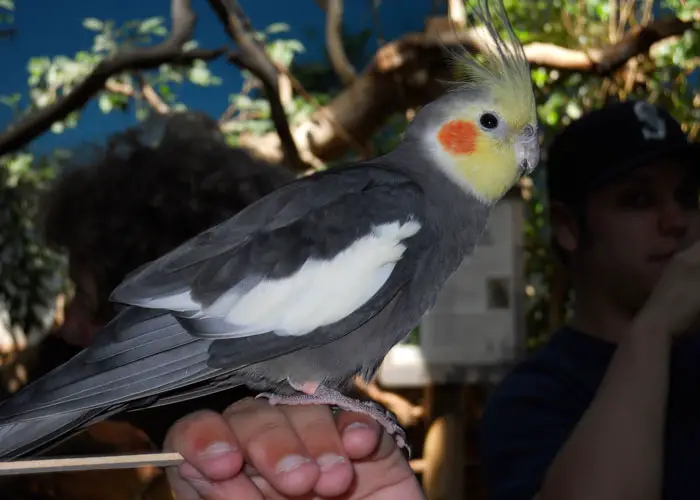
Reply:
x=322 y=292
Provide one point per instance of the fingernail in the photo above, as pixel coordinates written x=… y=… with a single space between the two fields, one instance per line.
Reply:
x=329 y=460
x=291 y=462
x=356 y=426
x=216 y=450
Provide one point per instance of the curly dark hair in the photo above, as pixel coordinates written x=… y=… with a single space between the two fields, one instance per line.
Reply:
x=148 y=190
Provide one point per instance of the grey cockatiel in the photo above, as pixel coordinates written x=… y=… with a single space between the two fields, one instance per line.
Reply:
x=314 y=283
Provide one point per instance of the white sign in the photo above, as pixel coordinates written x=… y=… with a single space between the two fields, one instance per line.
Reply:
x=476 y=329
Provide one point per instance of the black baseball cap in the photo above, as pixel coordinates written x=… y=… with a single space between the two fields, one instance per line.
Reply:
x=609 y=142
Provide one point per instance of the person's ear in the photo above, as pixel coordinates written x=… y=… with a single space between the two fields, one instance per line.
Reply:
x=565 y=230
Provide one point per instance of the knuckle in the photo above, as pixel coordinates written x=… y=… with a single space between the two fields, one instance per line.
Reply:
x=245 y=405
x=318 y=422
x=260 y=438
x=254 y=420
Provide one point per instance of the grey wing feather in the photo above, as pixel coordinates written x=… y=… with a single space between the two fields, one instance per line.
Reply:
x=175 y=271
x=22 y=437
x=139 y=355
x=318 y=217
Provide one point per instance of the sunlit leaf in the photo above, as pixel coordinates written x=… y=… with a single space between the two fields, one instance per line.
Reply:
x=93 y=24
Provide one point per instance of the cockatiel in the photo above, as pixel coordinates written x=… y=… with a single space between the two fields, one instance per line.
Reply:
x=313 y=284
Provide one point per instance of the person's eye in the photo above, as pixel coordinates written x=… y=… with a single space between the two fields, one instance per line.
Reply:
x=638 y=199
x=689 y=199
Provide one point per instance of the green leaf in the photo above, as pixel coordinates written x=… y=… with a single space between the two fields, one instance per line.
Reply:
x=277 y=28
x=10 y=100
x=190 y=45
x=151 y=24
x=105 y=103
x=93 y=24
x=57 y=127
x=199 y=75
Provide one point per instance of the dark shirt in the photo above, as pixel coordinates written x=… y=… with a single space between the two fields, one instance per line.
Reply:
x=529 y=417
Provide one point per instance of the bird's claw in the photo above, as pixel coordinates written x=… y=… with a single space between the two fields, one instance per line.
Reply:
x=386 y=418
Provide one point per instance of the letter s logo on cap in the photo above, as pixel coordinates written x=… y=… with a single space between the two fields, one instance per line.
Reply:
x=653 y=125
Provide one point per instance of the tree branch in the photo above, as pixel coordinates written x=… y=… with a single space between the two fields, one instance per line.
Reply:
x=252 y=57
x=36 y=123
x=334 y=42
x=638 y=41
x=404 y=74
x=146 y=91
x=457 y=13
x=150 y=95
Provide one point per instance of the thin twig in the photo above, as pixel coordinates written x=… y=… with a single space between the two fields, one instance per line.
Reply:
x=338 y=127
x=146 y=91
x=334 y=42
x=150 y=95
x=252 y=57
x=381 y=40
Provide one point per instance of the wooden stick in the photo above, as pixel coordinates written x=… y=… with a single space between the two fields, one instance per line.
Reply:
x=39 y=466
x=48 y=465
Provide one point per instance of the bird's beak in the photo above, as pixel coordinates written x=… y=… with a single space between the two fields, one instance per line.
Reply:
x=527 y=154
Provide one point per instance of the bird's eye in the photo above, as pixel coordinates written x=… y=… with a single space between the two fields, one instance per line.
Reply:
x=488 y=121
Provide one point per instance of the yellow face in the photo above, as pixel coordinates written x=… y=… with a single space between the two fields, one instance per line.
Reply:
x=491 y=144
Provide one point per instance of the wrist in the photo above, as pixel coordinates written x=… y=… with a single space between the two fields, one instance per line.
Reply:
x=649 y=321
x=651 y=329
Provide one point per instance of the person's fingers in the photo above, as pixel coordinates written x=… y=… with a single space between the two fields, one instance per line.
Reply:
x=361 y=434
x=272 y=446
x=212 y=456
x=207 y=444
x=317 y=430
x=385 y=469
x=238 y=487
x=379 y=465
x=181 y=489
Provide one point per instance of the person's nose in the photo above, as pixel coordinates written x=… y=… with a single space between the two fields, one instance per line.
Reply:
x=674 y=220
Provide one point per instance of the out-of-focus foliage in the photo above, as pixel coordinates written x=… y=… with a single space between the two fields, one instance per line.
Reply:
x=249 y=110
x=28 y=270
x=7 y=7
x=50 y=78
x=668 y=76
x=31 y=275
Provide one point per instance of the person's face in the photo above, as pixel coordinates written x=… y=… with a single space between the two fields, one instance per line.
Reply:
x=633 y=227
x=80 y=322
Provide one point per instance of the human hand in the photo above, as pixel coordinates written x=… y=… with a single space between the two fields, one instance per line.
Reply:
x=674 y=304
x=289 y=451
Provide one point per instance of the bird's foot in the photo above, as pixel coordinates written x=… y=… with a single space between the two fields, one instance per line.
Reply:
x=326 y=396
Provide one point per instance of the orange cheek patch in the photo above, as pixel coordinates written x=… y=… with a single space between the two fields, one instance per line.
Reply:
x=458 y=137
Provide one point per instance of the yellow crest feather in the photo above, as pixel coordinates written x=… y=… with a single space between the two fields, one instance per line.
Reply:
x=504 y=60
